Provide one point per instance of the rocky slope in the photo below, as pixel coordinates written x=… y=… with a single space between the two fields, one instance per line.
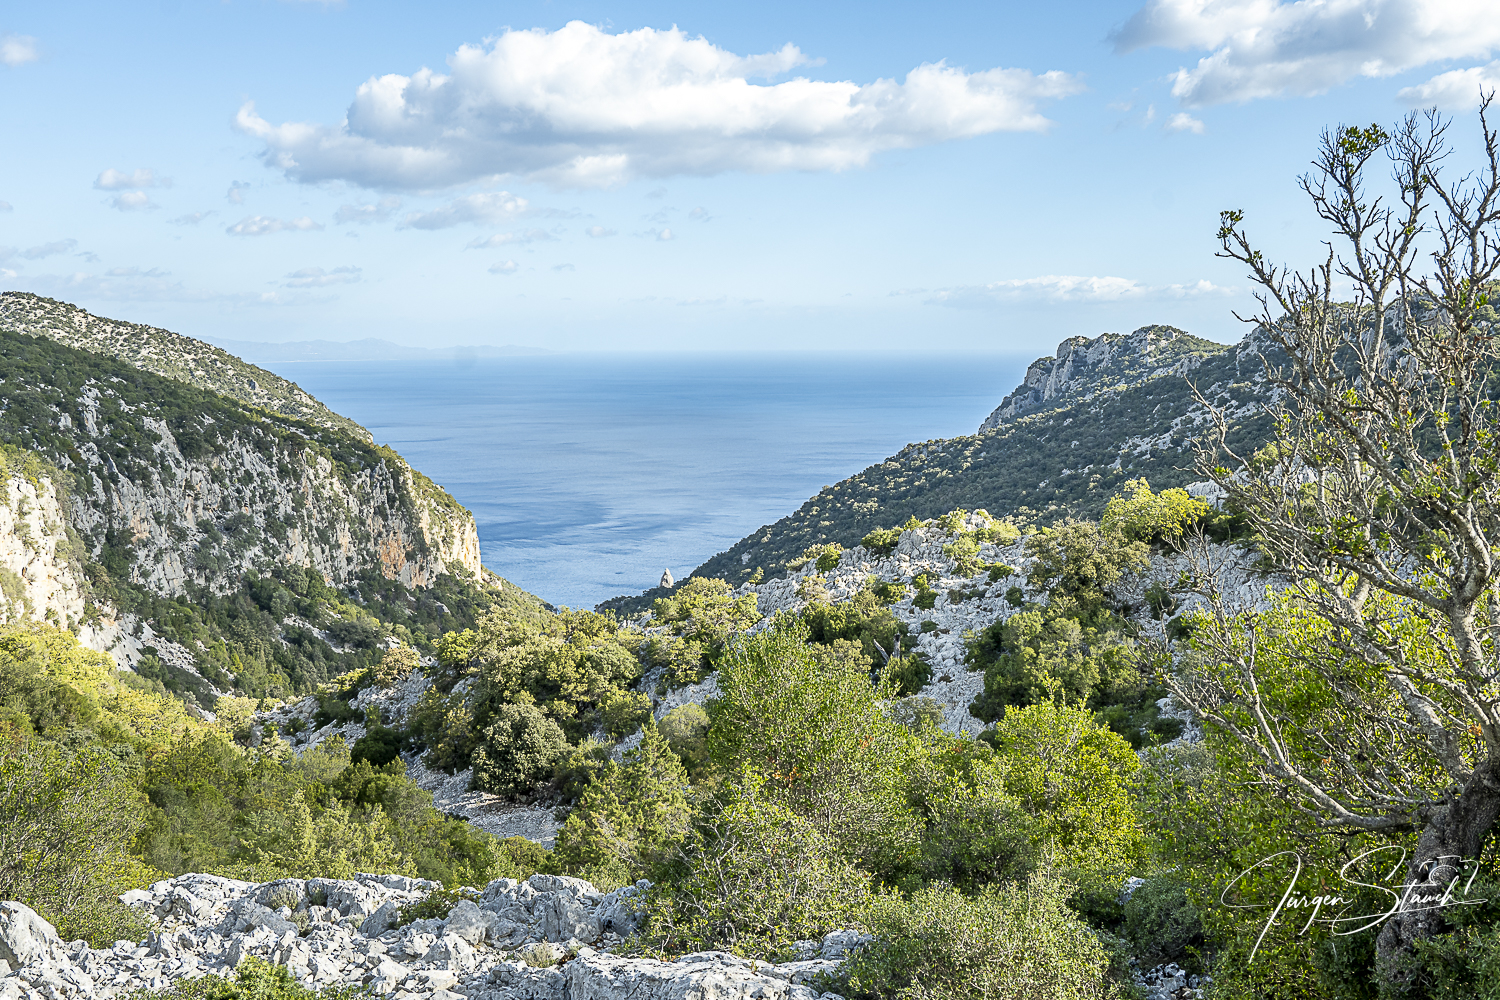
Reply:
x=1102 y=412
x=1083 y=368
x=174 y=485
x=40 y=575
x=547 y=938
x=168 y=354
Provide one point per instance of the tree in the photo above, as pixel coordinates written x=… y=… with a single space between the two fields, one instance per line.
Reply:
x=1380 y=502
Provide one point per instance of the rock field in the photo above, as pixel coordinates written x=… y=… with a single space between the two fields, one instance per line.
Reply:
x=547 y=938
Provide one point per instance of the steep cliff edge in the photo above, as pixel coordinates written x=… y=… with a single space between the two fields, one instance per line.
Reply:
x=41 y=578
x=1083 y=368
x=176 y=485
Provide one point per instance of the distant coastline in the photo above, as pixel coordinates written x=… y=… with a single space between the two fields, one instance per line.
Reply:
x=369 y=349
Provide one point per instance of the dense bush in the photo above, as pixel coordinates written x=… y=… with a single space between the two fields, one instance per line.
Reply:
x=517 y=750
x=753 y=877
x=1020 y=942
x=254 y=979
x=1145 y=516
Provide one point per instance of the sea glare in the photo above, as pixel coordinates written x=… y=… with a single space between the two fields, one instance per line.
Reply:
x=588 y=474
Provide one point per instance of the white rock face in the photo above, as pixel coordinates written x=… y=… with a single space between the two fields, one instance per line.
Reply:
x=39 y=579
x=547 y=937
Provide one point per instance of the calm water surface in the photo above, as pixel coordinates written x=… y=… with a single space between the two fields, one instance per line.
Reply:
x=588 y=474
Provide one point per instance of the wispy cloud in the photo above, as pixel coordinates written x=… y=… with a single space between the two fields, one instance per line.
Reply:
x=1184 y=122
x=1456 y=90
x=598 y=232
x=236 y=193
x=191 y=219
x=6 y=206
x=509 y=239
x=261 y=225
x=377 y=211
x=48 y=249
x=505 y=267
x=18 y=50
x=316 y=277
x=1067 y=288
x=118 y=180
x=494 y=206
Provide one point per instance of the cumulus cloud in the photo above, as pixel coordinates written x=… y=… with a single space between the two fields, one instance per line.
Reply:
x=505 y=239
x=190 y=219
x=582 y=107
x=316 y=277
x=1184 y=122
x=1269 y=48
x=377 y=211
x=495 y=206
x=505 y=267
x=17 y=50
x=1067 y=288
x=599 y=231
x=128 y=201
x=118 y=180
x=48 y=249
x=664 y=234
x=1456 y=90
x=260 y=225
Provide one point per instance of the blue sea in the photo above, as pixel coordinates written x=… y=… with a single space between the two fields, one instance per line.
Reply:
x=589 y=474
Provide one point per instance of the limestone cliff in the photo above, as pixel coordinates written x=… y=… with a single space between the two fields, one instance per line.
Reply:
x=174 y=484
x=40 y=578
x=1083 y=368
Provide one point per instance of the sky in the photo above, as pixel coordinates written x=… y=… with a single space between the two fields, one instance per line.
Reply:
x=586 y=176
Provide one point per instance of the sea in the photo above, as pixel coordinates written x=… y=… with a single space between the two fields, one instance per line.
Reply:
x=589 y=474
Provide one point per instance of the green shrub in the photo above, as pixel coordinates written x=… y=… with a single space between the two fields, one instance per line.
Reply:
x=753 y=877
x=628 y=815
x=1145 y=516
x=926 y=596
x=882 y=541
x=379 y=745
x=685 y=729
x=909 y=674
x=517 y=751
x=999 y=571
x=889 y=592
x=1161 y=922
x=829 y=557
x=1020 y=942
x=435 y=905
x=625 y=712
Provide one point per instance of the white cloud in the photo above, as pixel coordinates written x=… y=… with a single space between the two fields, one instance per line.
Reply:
x=563 y=267
x=191 y=219
x=1269 y=48
x=260 y=225
x=582 y=107
x=664 y=234
x=6 y=206
x=316 y=277
x=496 y=206
x=599 y=231
x=236 y=193
x=1456 y=90
x=118 y=180
x=17 y=50
x=127 y=201
x=1184 y=122
x=48 y=249
x=135 y=272
x=505 y=239
x=1067 y=288
x=505 y=267
x=372 y=212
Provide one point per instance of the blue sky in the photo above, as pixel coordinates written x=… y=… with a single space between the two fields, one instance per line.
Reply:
x=585 y=176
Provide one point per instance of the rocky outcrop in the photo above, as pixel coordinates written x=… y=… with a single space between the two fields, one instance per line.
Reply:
x=40 y=579
x=547 y=938
x=173 y=485
x=1083 y=367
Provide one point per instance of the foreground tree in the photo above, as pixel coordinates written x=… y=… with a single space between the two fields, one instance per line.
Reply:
x=1380 y=502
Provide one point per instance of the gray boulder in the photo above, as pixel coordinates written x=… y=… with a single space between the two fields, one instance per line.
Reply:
x=381 y=920
x=25 y=938
x=567 y=919
x=467 y=922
